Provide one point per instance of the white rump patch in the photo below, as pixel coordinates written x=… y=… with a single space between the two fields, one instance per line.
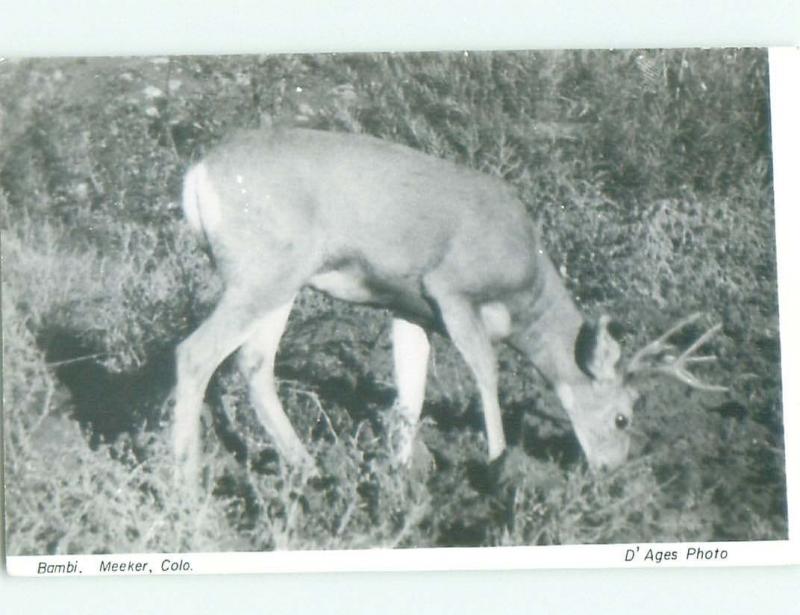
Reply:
x=209 y=207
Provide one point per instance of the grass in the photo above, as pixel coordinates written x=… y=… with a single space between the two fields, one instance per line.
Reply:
x=650 y=175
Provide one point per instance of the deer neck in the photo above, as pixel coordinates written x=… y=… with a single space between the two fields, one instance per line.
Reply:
x=549 y=332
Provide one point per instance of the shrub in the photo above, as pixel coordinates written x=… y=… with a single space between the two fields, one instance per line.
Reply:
x=648 y=171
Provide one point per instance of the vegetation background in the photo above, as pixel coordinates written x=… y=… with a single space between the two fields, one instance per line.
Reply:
x=649 y=171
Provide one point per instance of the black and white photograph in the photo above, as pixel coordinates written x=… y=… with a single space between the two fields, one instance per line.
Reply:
x=390 y=301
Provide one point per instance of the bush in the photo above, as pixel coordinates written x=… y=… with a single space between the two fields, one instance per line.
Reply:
x=648 y=171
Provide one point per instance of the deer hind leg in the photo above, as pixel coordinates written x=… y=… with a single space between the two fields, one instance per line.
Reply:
x=411 y=349
x=257 y=360
x=467 y=331
x=197 y=358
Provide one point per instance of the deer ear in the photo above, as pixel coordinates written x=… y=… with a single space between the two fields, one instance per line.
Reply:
x=596 y=349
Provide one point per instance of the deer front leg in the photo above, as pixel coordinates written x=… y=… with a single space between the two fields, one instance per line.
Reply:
x=411 y=349
x=467 y=330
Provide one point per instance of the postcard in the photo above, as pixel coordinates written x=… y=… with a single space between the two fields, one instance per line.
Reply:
x=395 y=311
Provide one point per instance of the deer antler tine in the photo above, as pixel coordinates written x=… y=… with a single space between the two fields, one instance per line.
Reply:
x=680 y=325
x=692 y=380
x=701 y=340
x=714 y=388
x=703 y=359
x=696 y=383
x=677 y=367
x=659 y=344
x=686 y=357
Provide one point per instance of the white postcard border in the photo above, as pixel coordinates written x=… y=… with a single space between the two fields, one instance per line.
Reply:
x=633 y=555
x=784 y=65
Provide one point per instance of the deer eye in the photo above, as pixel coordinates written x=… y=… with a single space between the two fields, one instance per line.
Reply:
x=621 y=421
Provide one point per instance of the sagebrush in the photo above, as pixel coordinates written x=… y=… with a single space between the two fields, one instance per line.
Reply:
x=649 y=171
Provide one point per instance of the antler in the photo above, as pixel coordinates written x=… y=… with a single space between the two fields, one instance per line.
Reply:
x=659 y=356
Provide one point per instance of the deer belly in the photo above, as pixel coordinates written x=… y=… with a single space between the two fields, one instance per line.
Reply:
x=401 y=296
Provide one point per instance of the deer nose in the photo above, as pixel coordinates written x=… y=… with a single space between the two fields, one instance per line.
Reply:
x=608 y=464
x=598 y=466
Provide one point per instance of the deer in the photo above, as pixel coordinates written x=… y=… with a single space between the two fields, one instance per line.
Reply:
x=445 y=248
